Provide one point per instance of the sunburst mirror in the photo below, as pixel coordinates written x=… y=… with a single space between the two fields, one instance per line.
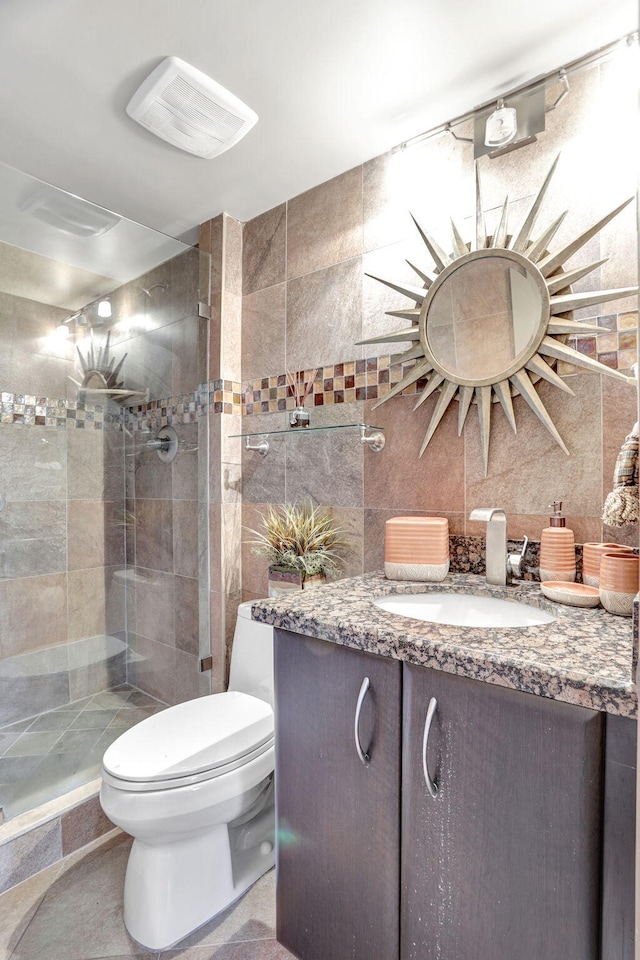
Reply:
x=492 y=319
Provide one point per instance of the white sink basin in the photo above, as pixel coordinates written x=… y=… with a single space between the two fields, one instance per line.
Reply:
x=464 y=610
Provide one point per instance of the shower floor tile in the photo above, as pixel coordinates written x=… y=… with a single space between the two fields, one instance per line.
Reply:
x=73 y=911
x=47 y=755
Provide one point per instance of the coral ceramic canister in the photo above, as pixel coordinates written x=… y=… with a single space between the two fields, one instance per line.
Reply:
x=557 y=548
x=592 y=555
x=619 y=575
x=416 y=548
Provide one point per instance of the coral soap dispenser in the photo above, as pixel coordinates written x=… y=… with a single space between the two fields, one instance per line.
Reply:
x=557 y=548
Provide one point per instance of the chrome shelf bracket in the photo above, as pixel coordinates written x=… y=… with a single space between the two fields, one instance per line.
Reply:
x=261 y=447
x=375 y=441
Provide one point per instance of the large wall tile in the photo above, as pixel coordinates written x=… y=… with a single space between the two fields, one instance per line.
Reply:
x=82 y=824
x=154 y=534
x=33 y=682
x=327 y=468
x=324 y=225
x=34 y=613
x=264 y=250
x=185 y=538
x=95 y=533
x=186 y=615
x=184 y=469
x=87 y=602
x=153 y=668
x=155 y=605
x=96 y=664
x=30 y=853
x=527 y=470
x=33 y=463
x=397 y=477
x=263 y=332
x=324 y=316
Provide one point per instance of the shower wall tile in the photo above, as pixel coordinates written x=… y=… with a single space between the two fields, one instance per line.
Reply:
x=33 y=520
x=95 y=534
x=185 y=538
x=33 y=613
x=96 y=664
x=33 y=558
x=264 y=250
x=184 y=469
x=155 y=605
x=33 y=463
x=263 y=332
x=151 y=478
x=87 y=602
x=185 y=367
x=32 y=360
x=154 y=534
x=152 y=668
x=324 y=225
x=186 y=615
x=33 y=682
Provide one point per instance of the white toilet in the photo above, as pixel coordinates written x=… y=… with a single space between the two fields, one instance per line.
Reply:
x=194 y=786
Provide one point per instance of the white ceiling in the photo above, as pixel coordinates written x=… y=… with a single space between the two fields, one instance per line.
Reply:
x=333 y=82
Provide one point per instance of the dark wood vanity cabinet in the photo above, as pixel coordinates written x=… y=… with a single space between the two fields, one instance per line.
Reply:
x=524 y=853
x=505 y=861
x=338 y=821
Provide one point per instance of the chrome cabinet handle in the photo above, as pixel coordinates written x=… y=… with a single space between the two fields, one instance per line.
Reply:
x=364 y=757
x=432 y=786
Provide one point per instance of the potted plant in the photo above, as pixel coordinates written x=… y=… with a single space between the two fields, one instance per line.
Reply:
x=300 y=543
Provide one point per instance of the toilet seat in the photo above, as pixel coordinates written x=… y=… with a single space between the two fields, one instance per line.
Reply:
x=190 y=742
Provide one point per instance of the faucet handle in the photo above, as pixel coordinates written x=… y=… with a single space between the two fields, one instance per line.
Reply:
x=515 y=562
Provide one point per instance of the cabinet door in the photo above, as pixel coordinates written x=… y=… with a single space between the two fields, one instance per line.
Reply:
x=505 y=862
x=337 y=819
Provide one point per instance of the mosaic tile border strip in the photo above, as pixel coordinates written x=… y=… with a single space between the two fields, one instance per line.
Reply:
x=24 y=409
x=216 y=396
x=374 y=377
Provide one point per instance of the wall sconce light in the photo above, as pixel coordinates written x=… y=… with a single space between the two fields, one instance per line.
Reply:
x=501 y=127
x=104 y=308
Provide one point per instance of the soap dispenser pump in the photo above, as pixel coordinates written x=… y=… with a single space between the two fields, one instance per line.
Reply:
x=557 y=548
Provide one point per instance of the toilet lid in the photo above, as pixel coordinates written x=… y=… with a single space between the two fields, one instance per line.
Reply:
x=190 y=738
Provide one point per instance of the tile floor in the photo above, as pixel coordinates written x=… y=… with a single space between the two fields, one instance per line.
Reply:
x=73 y=911
x=45 y=756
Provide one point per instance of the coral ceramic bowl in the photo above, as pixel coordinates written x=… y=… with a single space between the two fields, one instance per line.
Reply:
x=619 y=575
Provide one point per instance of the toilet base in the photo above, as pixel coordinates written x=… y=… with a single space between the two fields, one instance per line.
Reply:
x=171 y=889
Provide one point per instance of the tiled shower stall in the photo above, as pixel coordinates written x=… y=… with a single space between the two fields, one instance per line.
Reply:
x=100 y=559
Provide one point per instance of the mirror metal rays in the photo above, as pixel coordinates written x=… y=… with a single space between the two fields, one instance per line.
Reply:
x=492 y=319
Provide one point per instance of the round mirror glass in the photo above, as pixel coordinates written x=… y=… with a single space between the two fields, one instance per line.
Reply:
x=485 y=317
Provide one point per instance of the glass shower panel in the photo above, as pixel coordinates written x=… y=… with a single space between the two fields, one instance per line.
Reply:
x=79 y=626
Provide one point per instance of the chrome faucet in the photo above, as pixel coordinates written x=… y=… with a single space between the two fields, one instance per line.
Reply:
x=500 y=567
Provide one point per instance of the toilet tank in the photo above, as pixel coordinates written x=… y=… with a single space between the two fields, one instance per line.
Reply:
x=251 y=669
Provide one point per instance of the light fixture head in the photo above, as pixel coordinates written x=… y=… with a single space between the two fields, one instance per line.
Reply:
x=501 y=127
x=104 y=308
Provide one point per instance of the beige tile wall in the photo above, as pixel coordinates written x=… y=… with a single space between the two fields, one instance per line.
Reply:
x=307 y=300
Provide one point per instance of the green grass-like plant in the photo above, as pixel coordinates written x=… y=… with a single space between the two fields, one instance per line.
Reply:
x=303 y=538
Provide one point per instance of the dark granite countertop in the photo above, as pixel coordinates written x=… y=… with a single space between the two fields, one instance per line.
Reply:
x=583 y=657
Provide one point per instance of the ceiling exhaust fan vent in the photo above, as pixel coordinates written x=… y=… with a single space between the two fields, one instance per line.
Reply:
x=185 y=107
